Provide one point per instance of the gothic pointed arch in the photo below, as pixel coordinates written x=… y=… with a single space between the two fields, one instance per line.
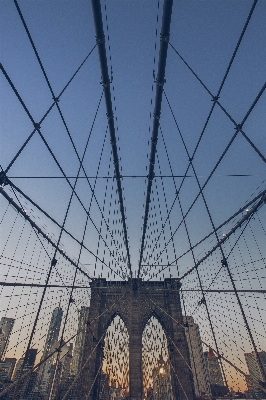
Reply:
x=115 y=366
x=135 y=302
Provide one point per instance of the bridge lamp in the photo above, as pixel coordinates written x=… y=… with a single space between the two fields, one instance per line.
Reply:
x=161 y=371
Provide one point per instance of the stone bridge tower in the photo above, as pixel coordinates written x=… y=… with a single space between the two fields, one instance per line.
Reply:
x=135 y=301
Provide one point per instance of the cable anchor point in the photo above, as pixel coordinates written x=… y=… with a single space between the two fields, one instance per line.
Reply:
x=105 y=84
x=158 y=83
x=53 y=262
x=224 y=262
x=3 y=179
x=100 y=40
x=164 y=38
x=215 y=99
x=202 y=301
x=56 y=99
x=238 y=127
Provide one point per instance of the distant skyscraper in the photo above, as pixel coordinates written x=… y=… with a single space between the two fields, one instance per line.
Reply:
x=197 y=359
x=53 y=331
x=255 y=373
x=7 y=368
x=78 y=350
x=66 y=361
x=25 y=364
x=218 y=388
x=6 y=326
x=215 y=374
x=104 y=389
x=18 y=368
x=115 y=392
x=45 y=371
x=63 y=375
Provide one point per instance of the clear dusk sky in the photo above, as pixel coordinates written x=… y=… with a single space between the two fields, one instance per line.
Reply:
x=205 y=33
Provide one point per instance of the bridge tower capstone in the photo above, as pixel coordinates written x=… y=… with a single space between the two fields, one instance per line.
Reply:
x=135 y=301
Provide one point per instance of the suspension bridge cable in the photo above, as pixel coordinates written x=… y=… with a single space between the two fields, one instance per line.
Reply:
x=35 y=367
x=52 y=266
x=224 y=263
x=160 y=80
x=125 y=176
x=242 y=209
x=184 y=327
x=8 y=182
x=215 y=167
x=39 y=230
x=47 y=112
x=215 y=100
x=239 y=126
x=100 y=40
x=3 y=177
x=74 y=278
x=189 y=240
x=238 y=224
x=46 y=237
x=67 y=129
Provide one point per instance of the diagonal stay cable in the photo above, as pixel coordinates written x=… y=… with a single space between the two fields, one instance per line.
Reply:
x=100 y=40
x=219 y=227
x=55 y=222
x=21 y=207
x=125 y=176
x=36 y=366
x=3 y=178
x=189 y=238
x=239 y=223
x=214 y=168
x=184 y=327
x=75 y=274
x=160 y=80
x=196 y=176
x=61 y=114
x=215 y=100
x=36 y=125
x=246 y=206
x=239 y=126
x=39 y=230
x=48 y=111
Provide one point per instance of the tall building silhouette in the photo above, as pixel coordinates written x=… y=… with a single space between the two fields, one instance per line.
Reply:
x=215 y=373
x=45 y=371
x=197 y=359
x=62 y=374
x=26 y=362
x=255 y=374
x=218 y=388
x=6 y=326
x=25 y=385
x=78 y=350
x=7 y=368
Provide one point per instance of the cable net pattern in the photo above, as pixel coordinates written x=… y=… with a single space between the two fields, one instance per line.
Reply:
x=63 y=221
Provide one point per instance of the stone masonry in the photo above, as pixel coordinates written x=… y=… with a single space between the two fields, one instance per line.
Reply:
x=135 y=301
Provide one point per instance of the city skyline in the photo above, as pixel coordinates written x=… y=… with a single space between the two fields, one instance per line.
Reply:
x=201 y=363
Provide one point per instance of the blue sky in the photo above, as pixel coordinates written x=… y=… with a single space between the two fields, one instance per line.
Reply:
x=205 y=33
